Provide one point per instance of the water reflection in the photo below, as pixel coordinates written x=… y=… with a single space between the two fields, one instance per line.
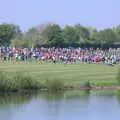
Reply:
x=53 y=103
x=77 y=94
x=118 y=96
x=87 y=105
x=21 y=98
x=53 y=96
x=106 y=93
x=8 y=102
x=13 y=99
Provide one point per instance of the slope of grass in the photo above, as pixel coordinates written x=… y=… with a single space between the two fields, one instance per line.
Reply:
x=71 y=75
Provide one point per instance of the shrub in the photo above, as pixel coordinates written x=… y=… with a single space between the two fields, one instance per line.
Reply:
x=25 y=81
x=87 y=85
x=5 y=82
x=54 y=85
x=21 y=81
x=18 y=81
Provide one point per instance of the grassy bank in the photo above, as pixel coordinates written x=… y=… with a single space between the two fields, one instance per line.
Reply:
x=23 y=81
x=54 y=77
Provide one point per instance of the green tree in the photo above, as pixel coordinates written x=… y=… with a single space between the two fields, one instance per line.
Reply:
x=70 y=36
x=32 y=37
x=83 y=33
x=116 y=30
x=107 y=36
x=51 y=35
x=8 y=32
x=95 y=38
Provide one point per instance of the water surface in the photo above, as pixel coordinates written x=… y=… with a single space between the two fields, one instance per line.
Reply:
x=64 y=106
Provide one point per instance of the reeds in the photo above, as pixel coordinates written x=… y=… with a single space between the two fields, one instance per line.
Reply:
x=17 y=82
x=54 y=85
x=22 y=81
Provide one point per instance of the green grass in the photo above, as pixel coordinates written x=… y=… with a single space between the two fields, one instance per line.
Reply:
x=70 y=75
x=118 y=76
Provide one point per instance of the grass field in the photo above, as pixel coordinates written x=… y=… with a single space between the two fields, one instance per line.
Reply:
x=74 y=74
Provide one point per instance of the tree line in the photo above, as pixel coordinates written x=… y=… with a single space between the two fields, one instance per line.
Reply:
x=51 y=34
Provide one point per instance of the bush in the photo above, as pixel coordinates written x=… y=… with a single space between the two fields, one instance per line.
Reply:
x=87 y=85
x=25 y=81
x=54 y=85
x=18 y=81
x=21 y=81
x=3 y=81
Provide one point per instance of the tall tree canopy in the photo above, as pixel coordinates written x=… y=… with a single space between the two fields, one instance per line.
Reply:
x=52 y=34
x=70 y=36
x=107 y=36
x=8 y=32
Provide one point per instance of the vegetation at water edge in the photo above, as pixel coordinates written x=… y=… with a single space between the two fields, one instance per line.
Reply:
x=118 y=76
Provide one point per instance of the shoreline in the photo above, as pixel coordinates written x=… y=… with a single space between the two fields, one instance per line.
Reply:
x=66 y=88
x=92 y=88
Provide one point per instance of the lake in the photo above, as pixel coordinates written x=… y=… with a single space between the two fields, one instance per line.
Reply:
x=61 y=106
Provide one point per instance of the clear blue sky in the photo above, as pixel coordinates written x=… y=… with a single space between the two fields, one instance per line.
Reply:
x=28 y=13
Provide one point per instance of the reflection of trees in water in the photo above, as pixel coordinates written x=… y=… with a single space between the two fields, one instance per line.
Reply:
x=77 y=101
x=54 y=102
x=77 y=94
x=54 y=96
x=9 y=103
x=106 y=93
x=19 y=98
x=118 y=96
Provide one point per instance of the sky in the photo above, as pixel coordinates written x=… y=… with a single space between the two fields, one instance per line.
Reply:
x=29 y=13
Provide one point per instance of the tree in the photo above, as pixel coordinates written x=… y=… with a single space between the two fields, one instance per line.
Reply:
x=116 y=30
x=107 y=36
x=20 y=43
x=51 y=35
x=83 y=33
x=32 y=37
x=70 y=36
x=94 y=37
x=8 y=32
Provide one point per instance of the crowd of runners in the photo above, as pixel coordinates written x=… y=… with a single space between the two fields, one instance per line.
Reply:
x=61 y=55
